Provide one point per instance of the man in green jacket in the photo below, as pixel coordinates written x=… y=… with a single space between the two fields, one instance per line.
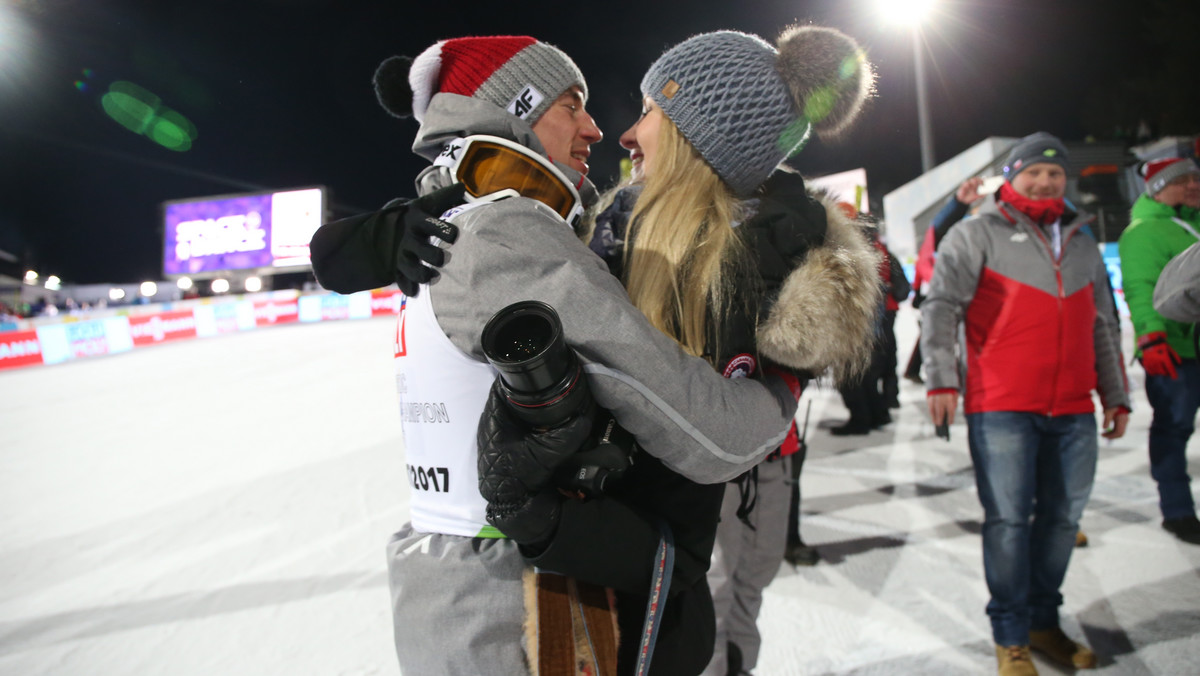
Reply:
x=1166 y=221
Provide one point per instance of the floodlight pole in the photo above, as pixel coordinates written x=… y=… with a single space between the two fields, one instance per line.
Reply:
x=925 y=127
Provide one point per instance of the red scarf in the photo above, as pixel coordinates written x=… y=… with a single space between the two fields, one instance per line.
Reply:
x=1041 y=211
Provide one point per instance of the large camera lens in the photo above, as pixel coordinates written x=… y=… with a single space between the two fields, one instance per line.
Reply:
x=521 y=340
x=540 y=375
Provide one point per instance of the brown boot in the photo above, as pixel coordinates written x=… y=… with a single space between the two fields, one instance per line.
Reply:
x=1014 y=660
x=1056 y=645
x=1080 y=539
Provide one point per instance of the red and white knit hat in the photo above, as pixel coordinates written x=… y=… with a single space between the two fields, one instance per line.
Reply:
x=517 y=73
x=1159 y=173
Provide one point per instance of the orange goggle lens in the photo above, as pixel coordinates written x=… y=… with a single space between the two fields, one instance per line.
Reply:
x=488 y=167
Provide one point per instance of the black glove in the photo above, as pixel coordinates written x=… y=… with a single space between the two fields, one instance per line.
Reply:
x=413 y=222
x=530 y=521
x=372 y=250
x=797 y=217
x=516 y=461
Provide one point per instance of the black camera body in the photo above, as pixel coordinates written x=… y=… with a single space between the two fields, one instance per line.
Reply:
x=543 y=382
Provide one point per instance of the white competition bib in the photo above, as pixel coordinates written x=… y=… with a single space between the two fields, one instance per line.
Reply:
x=442 y=392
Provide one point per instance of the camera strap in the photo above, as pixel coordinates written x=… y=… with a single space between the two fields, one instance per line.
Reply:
x=660 y=583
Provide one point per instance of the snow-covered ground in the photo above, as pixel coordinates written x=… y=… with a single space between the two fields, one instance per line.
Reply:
x=222 y=505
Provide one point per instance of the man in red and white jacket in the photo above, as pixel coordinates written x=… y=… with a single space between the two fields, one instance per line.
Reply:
x=1041 y=336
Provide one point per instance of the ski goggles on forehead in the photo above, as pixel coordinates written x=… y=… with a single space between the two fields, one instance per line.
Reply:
x=492 y=168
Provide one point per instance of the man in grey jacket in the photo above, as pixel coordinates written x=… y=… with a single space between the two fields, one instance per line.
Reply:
x=506 y=117
x=1041 y=336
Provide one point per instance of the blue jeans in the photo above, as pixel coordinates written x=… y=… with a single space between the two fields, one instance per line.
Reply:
x=1175 y=402
x=1034 y=475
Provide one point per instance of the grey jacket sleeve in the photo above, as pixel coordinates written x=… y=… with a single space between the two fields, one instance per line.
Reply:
x=955 y=277
x=703 y=426
x=1110 y=365
x=1177 y=293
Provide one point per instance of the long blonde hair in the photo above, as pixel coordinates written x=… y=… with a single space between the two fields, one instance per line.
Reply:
x=681 y=244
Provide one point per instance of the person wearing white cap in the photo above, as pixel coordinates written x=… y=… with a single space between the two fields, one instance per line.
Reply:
x=1165 y=220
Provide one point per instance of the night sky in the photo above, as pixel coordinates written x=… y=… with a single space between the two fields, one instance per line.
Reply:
x=280 y=94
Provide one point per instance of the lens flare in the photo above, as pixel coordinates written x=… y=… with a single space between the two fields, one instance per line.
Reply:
x=142 y=112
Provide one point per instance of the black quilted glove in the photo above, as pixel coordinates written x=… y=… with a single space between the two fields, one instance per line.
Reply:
x=797 y=219
x=516 y=461
x=420 y=220
x=530 y=521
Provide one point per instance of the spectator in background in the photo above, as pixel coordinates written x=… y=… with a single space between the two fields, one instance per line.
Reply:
x=862 y=396
x=952 y=212
x=1165 y=221
x=956 y=208
x=896 y=290
x=1036 y=294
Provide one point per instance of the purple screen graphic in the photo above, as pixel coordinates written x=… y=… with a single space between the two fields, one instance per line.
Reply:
x=210 y=235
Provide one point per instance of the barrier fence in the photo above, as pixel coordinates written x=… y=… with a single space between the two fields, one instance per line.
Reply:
x=54 y=340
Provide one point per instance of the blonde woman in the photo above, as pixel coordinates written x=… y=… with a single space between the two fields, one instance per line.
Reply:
x=752 y=273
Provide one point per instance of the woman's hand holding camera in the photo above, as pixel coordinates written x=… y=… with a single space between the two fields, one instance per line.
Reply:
x=516 y=465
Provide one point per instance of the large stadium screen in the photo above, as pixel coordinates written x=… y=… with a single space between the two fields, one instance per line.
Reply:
x=263 y=230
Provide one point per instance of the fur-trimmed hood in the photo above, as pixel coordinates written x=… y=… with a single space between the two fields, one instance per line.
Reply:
x=825 y=315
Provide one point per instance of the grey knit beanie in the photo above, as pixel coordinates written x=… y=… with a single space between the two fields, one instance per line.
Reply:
x=1037 y=147
x=515 y=72
x=747 y=106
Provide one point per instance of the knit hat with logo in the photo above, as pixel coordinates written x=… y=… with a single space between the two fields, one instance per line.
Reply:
x=1037 y=147
x=522 y=75
x=746 y=105
x=1158 y=173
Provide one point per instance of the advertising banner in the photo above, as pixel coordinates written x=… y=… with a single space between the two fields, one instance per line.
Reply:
x=156 y=328
x=239 y=232
x=19 y=348
x=269 y=312
x=385 y=301
x=212 y=320
x=74 y=340
x=332 y=306
x=212 y=235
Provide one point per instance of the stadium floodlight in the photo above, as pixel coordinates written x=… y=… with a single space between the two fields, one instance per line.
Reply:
x=116 y=293
x=184 y=283
x=53 y=283
x=253 y=284
x=905 y=12
x=148 y=289
x=220 y=286
x=31 y=277
x=913 y=14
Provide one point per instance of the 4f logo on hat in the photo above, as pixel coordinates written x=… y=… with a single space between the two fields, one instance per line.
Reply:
x=526 y=101
x=1049 y=152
